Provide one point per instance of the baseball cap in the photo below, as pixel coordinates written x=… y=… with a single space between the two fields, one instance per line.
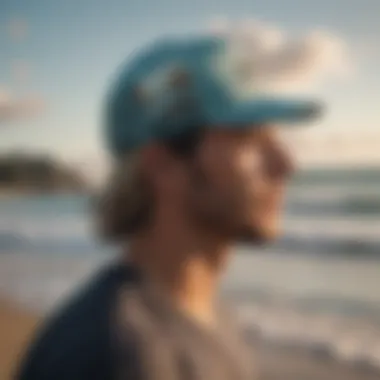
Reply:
x=178 y=84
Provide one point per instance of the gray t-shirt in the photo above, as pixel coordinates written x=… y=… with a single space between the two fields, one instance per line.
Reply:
x=166 y=344
x=119 y=327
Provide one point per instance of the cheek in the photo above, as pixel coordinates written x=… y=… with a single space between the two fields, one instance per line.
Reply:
x=261 y=197
x=235 y=175
x=249 y=168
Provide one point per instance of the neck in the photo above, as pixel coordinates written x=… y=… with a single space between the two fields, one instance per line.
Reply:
x=185 y=268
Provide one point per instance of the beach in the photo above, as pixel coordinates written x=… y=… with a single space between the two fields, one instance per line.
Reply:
x=287 y=364
x=312 y=299
x=17 y=326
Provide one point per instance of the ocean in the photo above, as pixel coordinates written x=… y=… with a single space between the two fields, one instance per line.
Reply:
x=316 y=288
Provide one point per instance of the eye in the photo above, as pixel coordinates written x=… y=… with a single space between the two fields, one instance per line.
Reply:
x=251 y=156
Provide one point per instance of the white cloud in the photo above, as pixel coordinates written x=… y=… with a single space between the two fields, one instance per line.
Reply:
x=268 y=58
x=19 y=108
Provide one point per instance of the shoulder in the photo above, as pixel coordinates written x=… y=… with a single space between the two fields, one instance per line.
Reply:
x=76 y=334
x=145 y=346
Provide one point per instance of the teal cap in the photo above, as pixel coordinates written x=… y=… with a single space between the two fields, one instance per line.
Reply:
x=176 y=85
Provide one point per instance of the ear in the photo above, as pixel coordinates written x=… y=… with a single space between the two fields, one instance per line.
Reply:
x=163 y=169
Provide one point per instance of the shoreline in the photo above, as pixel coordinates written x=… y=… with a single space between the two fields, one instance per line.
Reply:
x=14 y=194
x=279 y=363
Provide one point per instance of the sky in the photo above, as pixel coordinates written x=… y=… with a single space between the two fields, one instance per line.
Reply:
x=57 y=59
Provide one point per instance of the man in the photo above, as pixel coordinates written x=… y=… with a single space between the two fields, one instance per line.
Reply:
x=198 y=166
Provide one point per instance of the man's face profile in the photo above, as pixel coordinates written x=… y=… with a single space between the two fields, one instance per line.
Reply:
x=232 y=184
x=239 y=188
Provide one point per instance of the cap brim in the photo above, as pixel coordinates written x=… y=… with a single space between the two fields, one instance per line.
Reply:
x=265 y=111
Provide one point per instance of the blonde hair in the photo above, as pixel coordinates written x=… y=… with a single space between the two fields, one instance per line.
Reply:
x=126 y=204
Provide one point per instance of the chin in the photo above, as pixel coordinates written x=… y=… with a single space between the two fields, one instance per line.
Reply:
x=259 y=235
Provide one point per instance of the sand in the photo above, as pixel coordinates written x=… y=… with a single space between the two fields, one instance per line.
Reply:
x=17 y=326
x=288 y=364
